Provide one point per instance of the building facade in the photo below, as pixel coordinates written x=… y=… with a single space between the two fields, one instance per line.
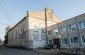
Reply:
x=30 y=31
x=72 y=32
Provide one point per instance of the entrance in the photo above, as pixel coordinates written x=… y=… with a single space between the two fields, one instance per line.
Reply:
x=56 y=42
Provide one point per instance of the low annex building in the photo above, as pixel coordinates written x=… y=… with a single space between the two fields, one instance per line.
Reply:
x=30 y=31
x=72 y=32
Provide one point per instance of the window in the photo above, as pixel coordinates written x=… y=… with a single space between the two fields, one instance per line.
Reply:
x=49 y=32
x=60 y=29
x=82 y=24
x=71 y=40
x=72 y=27
x=64 y=29
x=65 y=41
x=74 y=40
x=83 y=39
x=43 y=30
x=21 y=30
x=69 y=27
x=56 y=32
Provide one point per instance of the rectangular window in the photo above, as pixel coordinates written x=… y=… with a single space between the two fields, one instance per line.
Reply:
x=49 y=32
x=73 y=27
x=56 y=32
x=62 y=41
x=80 y=24
x=71 y=40
x=74 y=40
x=43 y=30
x=84 y=24
x=83 y=39
x=63 y=29
x=60 y=30
x=65 y=41
x=69 y=27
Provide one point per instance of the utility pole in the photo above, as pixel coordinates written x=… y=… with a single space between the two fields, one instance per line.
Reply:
x=46 y=34
x=27 y=31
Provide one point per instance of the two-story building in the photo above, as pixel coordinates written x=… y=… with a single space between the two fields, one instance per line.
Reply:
x=72 y=32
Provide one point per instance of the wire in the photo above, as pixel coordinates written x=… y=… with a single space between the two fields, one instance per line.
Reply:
x=4 y=11
x=6 y=8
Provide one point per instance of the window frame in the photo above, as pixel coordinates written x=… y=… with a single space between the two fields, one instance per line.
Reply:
x=82 y=39
x=63 y=40
x=72 y=41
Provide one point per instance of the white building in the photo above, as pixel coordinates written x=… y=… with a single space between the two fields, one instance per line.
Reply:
x=30 y=31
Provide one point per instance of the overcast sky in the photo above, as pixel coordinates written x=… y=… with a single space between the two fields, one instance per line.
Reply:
x=12 y=11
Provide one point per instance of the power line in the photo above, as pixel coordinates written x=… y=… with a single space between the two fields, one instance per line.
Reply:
x=6 y=8
x=4 y=11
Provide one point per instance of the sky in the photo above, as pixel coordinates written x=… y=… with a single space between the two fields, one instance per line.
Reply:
x=12 y=11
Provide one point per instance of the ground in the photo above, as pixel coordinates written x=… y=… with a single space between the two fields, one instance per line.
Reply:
x=15 y=51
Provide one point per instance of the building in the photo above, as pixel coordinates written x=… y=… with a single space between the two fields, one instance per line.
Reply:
x=8 y=28
x=30 y=31
x=72 y=32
